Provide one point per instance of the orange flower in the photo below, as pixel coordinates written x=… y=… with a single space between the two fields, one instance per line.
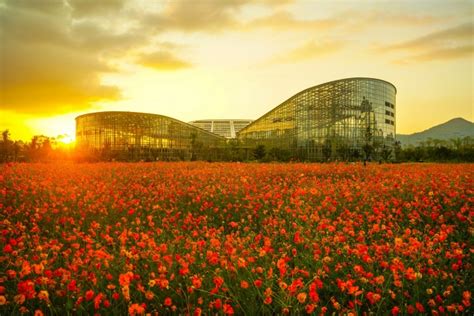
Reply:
x=466 y=295
x=196 y=225
x=43 y=295
x=410 y=274
x=196 y=281
x=218 y=281
x=125 y=278
x=301 y=297
x=380 y=279
x=149 y=295
x=19 y=299
x=268 y=292
x=136 y=309
x=126 y=293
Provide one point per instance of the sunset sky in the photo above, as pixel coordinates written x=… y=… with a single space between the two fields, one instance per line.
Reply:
x=226 y=59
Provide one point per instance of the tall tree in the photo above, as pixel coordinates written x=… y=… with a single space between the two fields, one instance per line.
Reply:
x=5 y=146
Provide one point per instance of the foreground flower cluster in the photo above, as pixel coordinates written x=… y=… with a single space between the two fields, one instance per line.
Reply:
x=211 y=238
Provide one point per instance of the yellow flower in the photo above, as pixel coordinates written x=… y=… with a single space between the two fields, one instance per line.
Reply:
x=43 y=295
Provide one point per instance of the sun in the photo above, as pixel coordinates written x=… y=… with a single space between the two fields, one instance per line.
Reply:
x=65 y=139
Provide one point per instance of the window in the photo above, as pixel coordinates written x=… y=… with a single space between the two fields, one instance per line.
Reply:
x=390 y=105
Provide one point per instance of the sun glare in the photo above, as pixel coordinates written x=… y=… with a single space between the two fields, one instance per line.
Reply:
x=65 y=139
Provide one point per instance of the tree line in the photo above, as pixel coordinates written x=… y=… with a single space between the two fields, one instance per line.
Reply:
x=43 y=149
x=39 y=149
x=437 y=150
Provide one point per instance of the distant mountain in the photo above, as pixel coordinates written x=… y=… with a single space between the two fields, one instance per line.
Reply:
x=455 y=128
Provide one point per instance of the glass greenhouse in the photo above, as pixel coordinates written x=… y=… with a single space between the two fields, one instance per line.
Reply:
x=131 y=136
x=352 y=117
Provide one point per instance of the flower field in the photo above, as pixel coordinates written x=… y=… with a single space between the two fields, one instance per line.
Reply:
x=195 y=238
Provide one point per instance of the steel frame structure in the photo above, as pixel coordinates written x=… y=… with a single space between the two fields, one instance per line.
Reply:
x=143 y=135
x=329 y=121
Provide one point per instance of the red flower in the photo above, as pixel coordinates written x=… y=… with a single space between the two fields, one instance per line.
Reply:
x=7 y=249
x=72 y=286
x=420 y=307
x=218 y=281
x=257 y=283
x=217 y=304
x=227 y=309
x=89 y=295
x=168 y=302
x=395 y=310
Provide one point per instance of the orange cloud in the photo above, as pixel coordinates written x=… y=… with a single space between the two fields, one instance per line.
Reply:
x=162 y=60
x=451 y=43
x=442 y=53
x=283 y=20
x=309 y=50
x=454 y=34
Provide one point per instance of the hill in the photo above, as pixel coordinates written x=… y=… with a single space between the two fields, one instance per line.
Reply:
x=455 y=128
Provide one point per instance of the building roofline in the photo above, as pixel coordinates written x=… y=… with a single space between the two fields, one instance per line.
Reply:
x=311 y=88
x=219 y=120
x=149 y=114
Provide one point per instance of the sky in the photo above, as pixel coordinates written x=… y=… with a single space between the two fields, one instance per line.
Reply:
x=192 y=59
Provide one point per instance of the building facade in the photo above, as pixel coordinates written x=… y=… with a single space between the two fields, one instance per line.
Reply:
x=133 y=136
x=222 y=127
x=347 y=118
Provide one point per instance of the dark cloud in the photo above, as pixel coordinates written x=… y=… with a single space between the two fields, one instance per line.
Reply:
x=51 y=79
x=44 y=68
x=45 y=6
x=96 y=38
x=203 y=16
x=34 y=24
x=88 y=8
x=200 y=16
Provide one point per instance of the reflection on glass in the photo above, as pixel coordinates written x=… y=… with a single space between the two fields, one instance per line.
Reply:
x=144 y=135
x=331 y=120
